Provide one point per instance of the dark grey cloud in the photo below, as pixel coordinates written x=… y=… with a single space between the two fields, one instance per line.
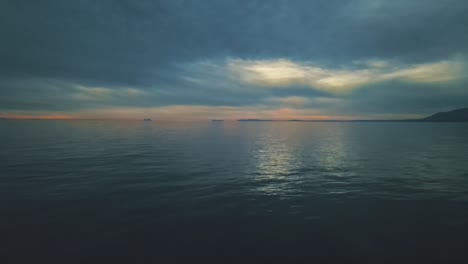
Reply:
x=400 y=97
x=51 y=48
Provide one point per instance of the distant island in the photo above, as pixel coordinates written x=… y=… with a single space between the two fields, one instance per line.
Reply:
x=147 y=119
x=457 y=115
x=257 y=120
x=217 y=120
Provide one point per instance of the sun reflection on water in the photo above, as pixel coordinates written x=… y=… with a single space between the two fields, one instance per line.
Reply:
x=276 y=165
x=283 y=169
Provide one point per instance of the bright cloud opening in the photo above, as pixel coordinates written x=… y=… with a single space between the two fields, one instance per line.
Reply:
x=282 y=73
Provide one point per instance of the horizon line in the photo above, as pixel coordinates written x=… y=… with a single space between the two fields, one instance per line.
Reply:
x=230 y=119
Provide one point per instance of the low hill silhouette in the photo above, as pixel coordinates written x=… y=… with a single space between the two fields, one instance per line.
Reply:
x=458 y=115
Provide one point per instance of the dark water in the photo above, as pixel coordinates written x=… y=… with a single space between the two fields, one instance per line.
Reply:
x=274 y=192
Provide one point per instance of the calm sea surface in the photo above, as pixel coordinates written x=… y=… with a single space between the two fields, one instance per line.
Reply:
x=275 y=192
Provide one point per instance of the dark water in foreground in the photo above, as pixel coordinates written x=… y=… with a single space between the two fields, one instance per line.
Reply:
x=111 y=192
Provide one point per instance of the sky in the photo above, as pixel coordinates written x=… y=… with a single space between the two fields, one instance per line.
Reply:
x=231 y=59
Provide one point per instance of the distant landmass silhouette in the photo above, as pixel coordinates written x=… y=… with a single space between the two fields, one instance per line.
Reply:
x=457 y=115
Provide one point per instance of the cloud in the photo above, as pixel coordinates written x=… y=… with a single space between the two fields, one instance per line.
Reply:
x=104 y=94
x=439 y=72
x=323 y=105
x=283 y=73
x=295 y=101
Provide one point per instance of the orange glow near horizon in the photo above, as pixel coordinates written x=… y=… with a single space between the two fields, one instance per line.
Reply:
x=248 y=116
x=42 y=117
x=195 y=113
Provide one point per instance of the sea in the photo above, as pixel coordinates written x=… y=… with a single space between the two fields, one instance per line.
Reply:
x=108 y=191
